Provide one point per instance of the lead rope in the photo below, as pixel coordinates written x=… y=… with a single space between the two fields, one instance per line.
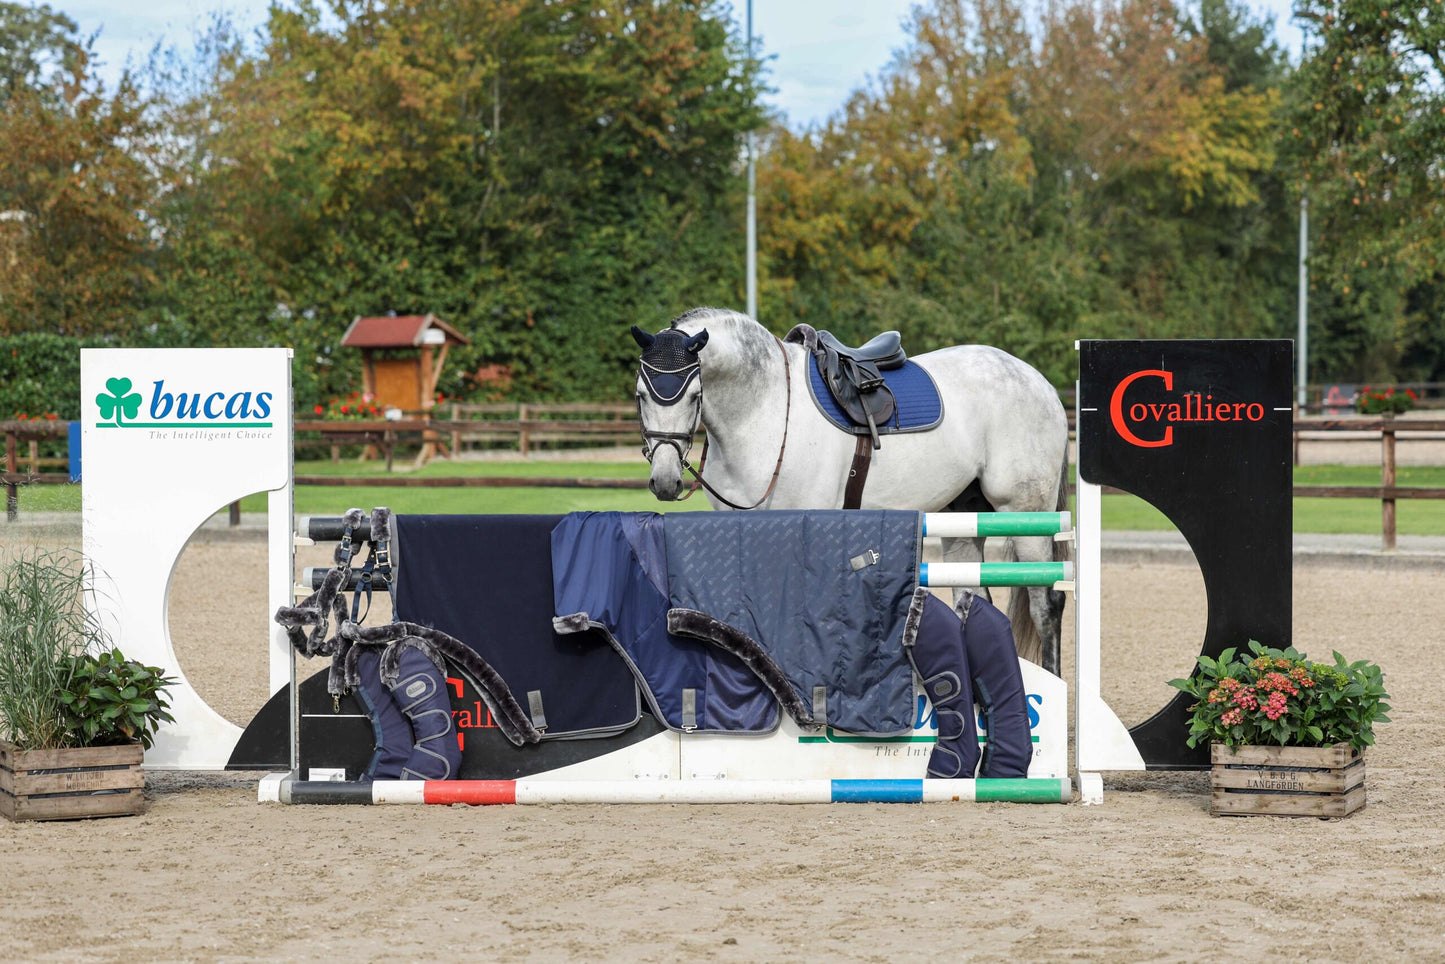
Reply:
x=773 y=483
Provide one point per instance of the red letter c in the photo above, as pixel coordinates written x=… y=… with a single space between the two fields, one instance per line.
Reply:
x=1116 y=410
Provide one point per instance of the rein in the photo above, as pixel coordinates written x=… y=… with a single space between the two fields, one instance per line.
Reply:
x=670 y=437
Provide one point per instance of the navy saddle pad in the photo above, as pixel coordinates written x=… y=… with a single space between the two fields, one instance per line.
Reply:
x=919 y=407
x=487 y=580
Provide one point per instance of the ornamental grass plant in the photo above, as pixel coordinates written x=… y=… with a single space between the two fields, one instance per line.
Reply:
x=43 y=622
x=1280 y=697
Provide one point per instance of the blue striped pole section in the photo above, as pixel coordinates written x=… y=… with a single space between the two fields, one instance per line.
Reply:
x=994 y=573
x=490 y=792
x=967 y=525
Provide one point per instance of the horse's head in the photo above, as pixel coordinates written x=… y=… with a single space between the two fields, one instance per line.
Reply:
x=669 y=403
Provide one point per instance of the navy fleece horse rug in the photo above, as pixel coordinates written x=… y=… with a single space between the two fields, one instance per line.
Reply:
x=819 y=606
x=486 y=580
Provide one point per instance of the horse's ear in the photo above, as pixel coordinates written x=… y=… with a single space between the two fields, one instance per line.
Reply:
x=643 y=339
x=695 y=343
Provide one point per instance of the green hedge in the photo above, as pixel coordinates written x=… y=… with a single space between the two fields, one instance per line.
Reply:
x=40 y=374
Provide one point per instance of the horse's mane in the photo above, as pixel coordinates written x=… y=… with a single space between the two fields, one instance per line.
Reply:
x=732 y=333
x=705 y=315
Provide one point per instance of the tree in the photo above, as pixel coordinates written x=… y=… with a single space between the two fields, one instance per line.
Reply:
x=540 y=174
x=75 y=186
x=1094 y=173
x=1368 y=117
x=40 y=51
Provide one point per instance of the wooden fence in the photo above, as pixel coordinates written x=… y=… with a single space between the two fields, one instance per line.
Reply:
x=524 y=427
x=533 y=424
x=32 y=433
x=575 y=426
x=1387 y=491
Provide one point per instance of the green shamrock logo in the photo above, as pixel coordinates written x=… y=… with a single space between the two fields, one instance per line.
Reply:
x=118 y=402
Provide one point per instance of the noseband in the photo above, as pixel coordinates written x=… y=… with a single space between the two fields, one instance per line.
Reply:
x=666 y=373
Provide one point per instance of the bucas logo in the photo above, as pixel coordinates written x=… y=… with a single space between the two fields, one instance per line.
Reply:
x=120 y=407
x=1131 y=418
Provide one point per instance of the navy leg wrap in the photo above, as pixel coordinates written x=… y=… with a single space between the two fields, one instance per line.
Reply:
x=999 y=689
x=421 y=693
x=392 y=731
x=942 y=664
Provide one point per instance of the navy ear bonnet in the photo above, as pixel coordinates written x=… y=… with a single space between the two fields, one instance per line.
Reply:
x=669 y=362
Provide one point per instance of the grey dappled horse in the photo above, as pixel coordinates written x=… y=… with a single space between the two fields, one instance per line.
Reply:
x=1002 y=443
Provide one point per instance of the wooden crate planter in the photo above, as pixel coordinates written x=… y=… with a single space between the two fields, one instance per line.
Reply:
x=104 y=781
x=1295 y=781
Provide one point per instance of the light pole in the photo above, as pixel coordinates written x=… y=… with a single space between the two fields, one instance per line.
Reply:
x=1302 y=345
x=752 y=259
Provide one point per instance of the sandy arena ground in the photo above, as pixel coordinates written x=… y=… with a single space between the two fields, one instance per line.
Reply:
x=208 y=874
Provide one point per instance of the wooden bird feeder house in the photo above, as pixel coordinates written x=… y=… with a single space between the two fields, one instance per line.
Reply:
x=402 y=359
x=401 y=363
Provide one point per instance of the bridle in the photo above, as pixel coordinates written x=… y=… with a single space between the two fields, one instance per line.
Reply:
x=667 y=386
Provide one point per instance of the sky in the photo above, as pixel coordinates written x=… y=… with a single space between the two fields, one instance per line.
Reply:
x=822 y=50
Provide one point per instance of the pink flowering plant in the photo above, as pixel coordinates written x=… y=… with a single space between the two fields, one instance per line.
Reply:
x=1280 y=697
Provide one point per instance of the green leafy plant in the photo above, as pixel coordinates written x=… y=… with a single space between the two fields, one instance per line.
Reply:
x=111 y=700
x=1390 y=401
x=1279 y=697
x=40 y=372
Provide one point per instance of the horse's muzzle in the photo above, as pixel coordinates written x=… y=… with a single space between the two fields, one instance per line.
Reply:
x=666 y=490
x=666 y=478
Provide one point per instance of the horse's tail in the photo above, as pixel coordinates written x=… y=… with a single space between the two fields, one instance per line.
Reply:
x=1063 y=548
x=1026 y=632
x=1026 y=635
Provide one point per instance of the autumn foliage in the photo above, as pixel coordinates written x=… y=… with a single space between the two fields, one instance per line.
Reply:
x=543 y=174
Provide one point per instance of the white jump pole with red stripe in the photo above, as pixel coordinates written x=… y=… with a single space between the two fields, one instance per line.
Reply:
x=281 y=789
